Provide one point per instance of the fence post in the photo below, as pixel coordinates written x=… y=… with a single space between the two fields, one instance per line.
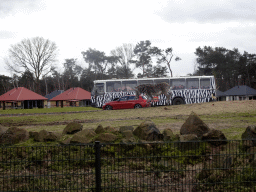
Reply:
x=97 y=166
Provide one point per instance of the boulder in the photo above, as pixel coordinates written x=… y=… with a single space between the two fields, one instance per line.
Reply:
x=194 y=125
x=52 y=136
x=215 y=137
x=65 y=141
x=2 y=129
x=41 y=135
x=168 y=134
x=106 y=138
x=125 y=128
x=147 y=130
x=99 y=129
x=72 y=128
x=32 y=134
x=188 y=137
x=84 y=136
x=249 y=136
x=127 y=134
x=110 y=130
x=14 y=135
x=188 y=142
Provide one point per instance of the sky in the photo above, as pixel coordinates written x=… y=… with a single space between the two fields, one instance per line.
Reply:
x=78 y=25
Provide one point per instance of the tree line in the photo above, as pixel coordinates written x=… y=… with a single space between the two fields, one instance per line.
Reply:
x=32 y=64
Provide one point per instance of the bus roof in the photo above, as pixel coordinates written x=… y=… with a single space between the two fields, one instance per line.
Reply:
x=182 y=77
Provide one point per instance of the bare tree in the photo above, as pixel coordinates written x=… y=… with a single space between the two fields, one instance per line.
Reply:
x=36 y=55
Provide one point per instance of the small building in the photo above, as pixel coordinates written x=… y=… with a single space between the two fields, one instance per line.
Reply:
x=240 y=93
x=52 y=95
x=22 y=98
x=221 y=96
x=73 y=97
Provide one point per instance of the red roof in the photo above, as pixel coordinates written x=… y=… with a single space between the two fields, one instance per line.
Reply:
x=73 y=94
x=21 y=94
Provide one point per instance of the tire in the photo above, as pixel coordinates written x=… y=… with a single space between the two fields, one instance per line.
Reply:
x=137 y=106
x=108 y=107
x=178 y=101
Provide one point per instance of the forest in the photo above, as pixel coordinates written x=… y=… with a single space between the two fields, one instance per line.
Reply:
x=230 y=67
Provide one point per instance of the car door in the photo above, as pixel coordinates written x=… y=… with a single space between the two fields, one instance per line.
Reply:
x=121 y=103
x=130 y=102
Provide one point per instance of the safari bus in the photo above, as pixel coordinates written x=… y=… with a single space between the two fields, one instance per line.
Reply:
x=183 y=90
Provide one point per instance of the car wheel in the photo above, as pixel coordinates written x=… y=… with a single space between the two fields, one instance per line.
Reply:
x=108 y=107
x=178 y=101
x=137 y=106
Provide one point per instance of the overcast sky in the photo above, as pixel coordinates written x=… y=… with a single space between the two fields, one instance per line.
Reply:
x=78 y=25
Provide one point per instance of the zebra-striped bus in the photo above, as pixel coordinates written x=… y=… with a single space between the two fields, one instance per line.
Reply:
x=184 y=90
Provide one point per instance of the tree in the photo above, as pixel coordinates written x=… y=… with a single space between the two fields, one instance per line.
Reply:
x=164 y=56
x=5 y=84
x=98 y=61
x=124 y=54
x=142 y=53
x=72 y=72
x=36 y=55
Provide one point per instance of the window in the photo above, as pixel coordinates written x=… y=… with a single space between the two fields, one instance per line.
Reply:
x=156 y=81
x=98 y=88
x=128 y=85
x=114 y=86
x=131 y=98
x=178 y=84
x=123 y=98
x=140 y=82
x=205 y=83
x=192 y=83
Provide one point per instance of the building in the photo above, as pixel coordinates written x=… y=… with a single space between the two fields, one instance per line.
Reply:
x=221 y=96
x=73 y=97
x=52 y=95
x=22 y=98
x=240 y=93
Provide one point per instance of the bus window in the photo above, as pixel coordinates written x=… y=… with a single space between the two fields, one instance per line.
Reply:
x=178 y=84
x=98 y=89
x=156 y=81
x=205 y=83
x=192 y=83
x=140 y=82
x=113 y=86
x=128 y=85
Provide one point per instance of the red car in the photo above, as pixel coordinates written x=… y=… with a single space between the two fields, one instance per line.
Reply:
x=127 y=102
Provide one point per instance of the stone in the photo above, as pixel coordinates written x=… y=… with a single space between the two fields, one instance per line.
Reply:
x=147 y=130
x=249 y=136
x=41 y=135
x=32 y=134
x=99 y=129
x=72 y=128
x=84 y=136
x=194 y=125
x=65 y=142
x=110 y=130
x=106 y=138
x=215 y=137
x=52 y=136
x=14 y=135
x=127 y=134
x=188 y=142
x=168 y=134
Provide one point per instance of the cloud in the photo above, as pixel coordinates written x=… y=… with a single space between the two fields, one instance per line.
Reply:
x=6 y=34
x=8 y=7
x=202 y=11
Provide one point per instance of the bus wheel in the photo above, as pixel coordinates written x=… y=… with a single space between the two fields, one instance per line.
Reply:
x=108 y=107
x=137 y=106
x=178 y=101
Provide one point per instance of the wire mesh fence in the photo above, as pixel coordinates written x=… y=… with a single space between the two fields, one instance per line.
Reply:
x=155 y=166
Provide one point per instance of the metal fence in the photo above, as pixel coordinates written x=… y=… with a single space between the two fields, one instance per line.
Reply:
x=157 y=166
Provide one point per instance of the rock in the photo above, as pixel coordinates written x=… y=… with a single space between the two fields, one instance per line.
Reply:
x=72 y=128
x=99 y=129
x=168 y=134
x=194 y=125
x=249 y=136
x=110 y=130
x=66 y=141
x=52 y=136
x=85 y=136
x=215 y=137
x=147 y=130
x=125 y=128
x=14 y=135
x=32 y=134
x=41 y=135
x=127 y=134
x=106 y=138
x=2 y=130
x=188 y=142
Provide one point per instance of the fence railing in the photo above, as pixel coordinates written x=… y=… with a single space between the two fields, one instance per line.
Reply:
x=173 y=166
